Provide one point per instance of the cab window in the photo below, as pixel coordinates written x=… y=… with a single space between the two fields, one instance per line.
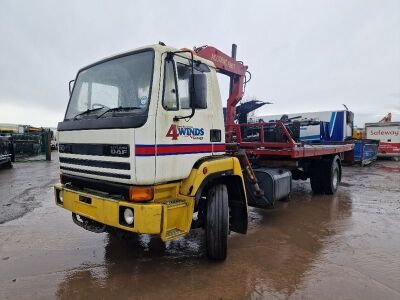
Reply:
x=170 y=95
x=184 y=84
x=105 y=94
x=184 y=72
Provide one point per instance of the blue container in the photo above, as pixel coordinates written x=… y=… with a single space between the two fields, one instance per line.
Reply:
x=365 y=151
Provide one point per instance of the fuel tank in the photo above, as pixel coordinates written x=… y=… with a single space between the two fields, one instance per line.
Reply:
x=276 y=184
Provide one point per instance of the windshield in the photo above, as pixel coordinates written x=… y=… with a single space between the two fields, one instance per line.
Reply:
x=122 y=82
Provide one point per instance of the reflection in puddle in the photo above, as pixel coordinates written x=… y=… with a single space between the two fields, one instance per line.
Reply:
x=391 y=169
x=282 y=247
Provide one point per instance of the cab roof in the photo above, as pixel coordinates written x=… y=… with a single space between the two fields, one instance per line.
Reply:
x=156 y=48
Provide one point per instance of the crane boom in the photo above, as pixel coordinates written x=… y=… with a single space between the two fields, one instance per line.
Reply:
x=232 y=68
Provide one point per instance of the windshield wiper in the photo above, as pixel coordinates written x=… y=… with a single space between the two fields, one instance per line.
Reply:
x=87 y=111
x=118 y=109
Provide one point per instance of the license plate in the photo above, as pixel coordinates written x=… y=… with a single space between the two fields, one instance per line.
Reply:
x=84 y=199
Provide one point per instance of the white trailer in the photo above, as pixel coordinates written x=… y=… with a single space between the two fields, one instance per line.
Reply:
x=388 y=134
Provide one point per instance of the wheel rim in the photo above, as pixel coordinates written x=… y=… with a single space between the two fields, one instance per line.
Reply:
x=335 y=179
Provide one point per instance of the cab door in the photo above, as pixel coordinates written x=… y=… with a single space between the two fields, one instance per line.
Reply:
x=180 y=140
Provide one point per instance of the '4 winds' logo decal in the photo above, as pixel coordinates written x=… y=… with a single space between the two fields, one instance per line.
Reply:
x=185 y=131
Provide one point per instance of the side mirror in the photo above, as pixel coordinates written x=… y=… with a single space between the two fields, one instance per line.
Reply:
x=200 y=88
x=71 y=86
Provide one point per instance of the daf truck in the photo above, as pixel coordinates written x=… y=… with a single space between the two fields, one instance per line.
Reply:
x=144 y=148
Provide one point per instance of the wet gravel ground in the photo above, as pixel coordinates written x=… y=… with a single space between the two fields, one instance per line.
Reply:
x=21 y=187
x=345 y=246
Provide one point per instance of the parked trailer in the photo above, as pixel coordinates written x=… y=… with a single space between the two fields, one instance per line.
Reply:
x=388 y=133
x=156 y=157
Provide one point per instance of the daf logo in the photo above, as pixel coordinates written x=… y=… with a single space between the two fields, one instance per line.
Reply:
x=118 y=150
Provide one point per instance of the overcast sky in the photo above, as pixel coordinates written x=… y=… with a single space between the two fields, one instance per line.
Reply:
x=303 y=55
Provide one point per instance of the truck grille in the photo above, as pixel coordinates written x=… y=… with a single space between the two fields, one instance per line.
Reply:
x=114 y=150
x=96 y=166
x=106 y=174
x=96 y=163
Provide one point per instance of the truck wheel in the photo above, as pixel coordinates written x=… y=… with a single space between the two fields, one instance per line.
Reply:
x=217 y=222
x=316 y=178
x=331 y=177
x=9 y=164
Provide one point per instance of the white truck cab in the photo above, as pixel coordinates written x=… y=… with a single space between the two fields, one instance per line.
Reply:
x=142 y=144
x=126 y=123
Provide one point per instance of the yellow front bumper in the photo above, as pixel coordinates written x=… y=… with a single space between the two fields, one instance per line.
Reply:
x=170 y=219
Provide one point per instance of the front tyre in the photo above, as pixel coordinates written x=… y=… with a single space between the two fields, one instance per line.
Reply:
x=217 y=222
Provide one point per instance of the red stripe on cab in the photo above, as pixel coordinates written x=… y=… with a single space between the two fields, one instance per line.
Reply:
x=151 y=150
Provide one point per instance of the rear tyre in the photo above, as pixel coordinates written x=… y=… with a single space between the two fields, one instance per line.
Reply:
x=331 y=178
x=217 y=222
x=316 y=178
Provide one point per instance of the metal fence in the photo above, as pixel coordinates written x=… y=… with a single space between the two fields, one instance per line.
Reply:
x=31 y=145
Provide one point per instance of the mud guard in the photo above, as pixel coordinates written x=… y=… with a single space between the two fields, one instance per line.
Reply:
x=226 y=170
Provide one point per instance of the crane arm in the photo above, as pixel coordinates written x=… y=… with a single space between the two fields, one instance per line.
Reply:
x=225 y=64
x=387 y=118
x=231 y=67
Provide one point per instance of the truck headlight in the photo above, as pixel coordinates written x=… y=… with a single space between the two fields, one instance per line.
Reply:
x=128 y=216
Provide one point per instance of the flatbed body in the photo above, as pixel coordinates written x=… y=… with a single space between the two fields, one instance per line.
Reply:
x=258 y=144
x=297 y=151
